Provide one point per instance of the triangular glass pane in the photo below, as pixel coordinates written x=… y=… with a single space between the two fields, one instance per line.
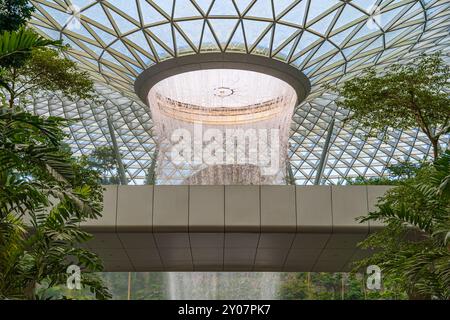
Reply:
x=84 y=32
x=406 y=18
x=147 y=61
x=306 y=40
x=97 y=14
x=365 y=30
x=204 y=5
x=367 y=5
x=94 y=48
x=297 y=14
x=185 y=8
x=237 y=41
x=123 y=24
x=182 y=45
x=165 y=5
x=283 y=54
x=317 y=7
x=325 y=48
x=336 y=58
x=192 y=29
x=107 y=56
x=223 y=28
x=59 y=16
x=378 y=43
x=323 y=24
x=261 y=9
x=82 y=3
x=348 y=15
x=223 y=8
x=164 y=33
x=209 y=42
x=160 y=51
x=416 y=9
x=129 y=7
x=389 y=36
x=282 y=33
x=347 y=52
x=263 y=47
x=298 y=62
x=386 y=18
x=120 y=47
x=281 y=5
x=106 y=37
x=150 y=14
x=139 y=39
x=243 y=5
x=253 y=30
x=341 y=36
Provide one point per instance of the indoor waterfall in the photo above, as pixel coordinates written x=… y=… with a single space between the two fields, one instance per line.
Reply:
x=222 y=285
x=218 y=115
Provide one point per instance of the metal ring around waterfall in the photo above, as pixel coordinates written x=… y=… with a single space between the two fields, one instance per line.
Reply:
x=206 y=61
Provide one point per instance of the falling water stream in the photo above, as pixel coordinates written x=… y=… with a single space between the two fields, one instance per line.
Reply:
x=222 y=285
x=250 y=115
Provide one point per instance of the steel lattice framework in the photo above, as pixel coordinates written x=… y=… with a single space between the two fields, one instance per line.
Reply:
x=329 y=41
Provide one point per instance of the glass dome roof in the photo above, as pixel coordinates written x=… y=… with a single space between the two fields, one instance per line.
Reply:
x=329 y=41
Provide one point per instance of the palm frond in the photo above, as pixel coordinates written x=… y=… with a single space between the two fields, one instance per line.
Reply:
x=22 y=41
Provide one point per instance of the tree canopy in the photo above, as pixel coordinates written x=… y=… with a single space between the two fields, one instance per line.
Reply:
x=404 y=96
x=39 y=69
x=14 y=14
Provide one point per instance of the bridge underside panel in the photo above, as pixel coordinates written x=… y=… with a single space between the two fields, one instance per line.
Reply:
x=232 y=228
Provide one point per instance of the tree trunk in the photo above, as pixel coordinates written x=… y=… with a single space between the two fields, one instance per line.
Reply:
x=30 y=290
x=11 y=101
x=435 y=146
x=129 y=286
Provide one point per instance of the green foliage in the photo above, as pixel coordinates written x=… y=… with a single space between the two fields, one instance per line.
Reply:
x=332 y=286
x=144 y=285
x=45 y=69
x=295 y=287
x=396 y=174
x=16 y=46
x=30 y=63
x=405 y=96
x=414 y=246
x=14 y=14
x=150 y=177
x=45 y=193
x=103 y=160
x=44 y=186
x=290 y=177
x=48 y=70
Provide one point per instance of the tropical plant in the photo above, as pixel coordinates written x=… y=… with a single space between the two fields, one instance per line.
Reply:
x=404 y=96
x=414 y=247
x=44 y=195
x=150 y=177
x=16 y=46
x=28 y=65
x=332 y=286
x=103 y=160
x=14 y=14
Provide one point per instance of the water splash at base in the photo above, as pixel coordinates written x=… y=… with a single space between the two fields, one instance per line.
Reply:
x=223 y=285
